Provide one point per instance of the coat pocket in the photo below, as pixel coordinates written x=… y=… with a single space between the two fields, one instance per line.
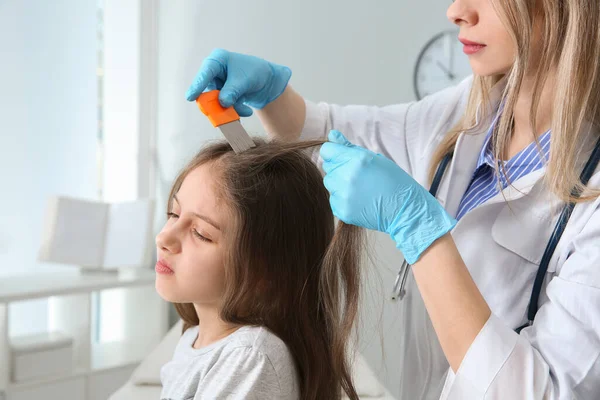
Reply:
x=524 y=228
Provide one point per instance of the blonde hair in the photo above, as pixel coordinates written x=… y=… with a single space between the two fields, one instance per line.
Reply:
x=569 y=44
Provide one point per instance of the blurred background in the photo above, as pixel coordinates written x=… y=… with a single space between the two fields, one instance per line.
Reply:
x=92 y=106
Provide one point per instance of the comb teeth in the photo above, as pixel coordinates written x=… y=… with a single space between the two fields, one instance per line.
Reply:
x=237 y=136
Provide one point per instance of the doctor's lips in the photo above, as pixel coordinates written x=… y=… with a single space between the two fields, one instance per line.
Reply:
x=163 y=268
x=471 y=47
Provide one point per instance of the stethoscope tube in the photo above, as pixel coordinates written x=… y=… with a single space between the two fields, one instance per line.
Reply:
x=559 y=229
x=399 y=291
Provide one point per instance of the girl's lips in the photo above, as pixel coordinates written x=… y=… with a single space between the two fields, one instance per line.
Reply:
x=163 y=268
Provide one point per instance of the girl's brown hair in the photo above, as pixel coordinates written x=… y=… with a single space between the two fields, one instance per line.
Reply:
x=287 y=268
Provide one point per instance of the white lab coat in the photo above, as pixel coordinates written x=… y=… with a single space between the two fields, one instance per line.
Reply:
x=502 y=244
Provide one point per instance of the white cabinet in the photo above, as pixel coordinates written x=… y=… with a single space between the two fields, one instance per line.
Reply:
x=98 y=369
x=67 y=389
x=102 y=384
x=30 y=362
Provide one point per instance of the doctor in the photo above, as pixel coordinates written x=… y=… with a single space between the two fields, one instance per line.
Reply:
x=518 y=133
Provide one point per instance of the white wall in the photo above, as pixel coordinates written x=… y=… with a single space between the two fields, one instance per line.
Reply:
x=341 y=51
x=48 y=126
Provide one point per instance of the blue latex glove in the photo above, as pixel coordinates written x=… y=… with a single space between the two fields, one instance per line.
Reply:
x=243 y=80
x=370 y=190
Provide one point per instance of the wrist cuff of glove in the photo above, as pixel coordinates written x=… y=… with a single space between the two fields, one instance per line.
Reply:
x=412 y=241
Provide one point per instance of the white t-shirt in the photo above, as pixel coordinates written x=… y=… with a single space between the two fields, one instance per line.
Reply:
x=251 y=363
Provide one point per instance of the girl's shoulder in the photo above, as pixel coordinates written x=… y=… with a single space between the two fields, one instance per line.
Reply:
x=260 y=340
x=259 y=352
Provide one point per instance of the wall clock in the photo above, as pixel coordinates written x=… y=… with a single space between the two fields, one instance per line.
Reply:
x=441 y=64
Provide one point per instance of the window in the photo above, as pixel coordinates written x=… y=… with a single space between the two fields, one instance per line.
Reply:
x=76 y=108
x=126 y=133
x=96 y=297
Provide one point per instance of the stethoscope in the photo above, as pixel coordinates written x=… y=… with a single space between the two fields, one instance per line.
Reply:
x=399 y=286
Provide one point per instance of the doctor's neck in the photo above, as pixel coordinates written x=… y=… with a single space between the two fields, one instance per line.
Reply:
x=211 y=327
x=523 y=132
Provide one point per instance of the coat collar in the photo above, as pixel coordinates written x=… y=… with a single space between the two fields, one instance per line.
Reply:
x=466 y=156
x=466 y=153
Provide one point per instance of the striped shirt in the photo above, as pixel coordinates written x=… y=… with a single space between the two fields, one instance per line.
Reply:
x=484 y=184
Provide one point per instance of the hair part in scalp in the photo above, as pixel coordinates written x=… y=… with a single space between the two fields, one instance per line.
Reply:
x=287 y=267
x=568 y=45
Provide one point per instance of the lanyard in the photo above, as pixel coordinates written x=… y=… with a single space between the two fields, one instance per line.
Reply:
x=400 y=284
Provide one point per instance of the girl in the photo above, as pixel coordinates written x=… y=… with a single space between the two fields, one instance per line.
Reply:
x=266 y=289
x=482 y=255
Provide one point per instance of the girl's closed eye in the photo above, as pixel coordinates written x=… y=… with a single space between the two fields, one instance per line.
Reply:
x=194 y=231
x=201 y=237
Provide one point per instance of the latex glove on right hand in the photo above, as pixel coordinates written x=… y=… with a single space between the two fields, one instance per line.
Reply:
x=244 y=81
x=369 y=190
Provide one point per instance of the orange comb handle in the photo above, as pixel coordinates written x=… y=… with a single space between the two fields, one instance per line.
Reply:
x=208 y=103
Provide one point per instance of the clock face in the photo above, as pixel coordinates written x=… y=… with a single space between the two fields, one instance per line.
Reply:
x=441 y=64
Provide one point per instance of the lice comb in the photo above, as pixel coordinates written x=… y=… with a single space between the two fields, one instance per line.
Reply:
x=226 y=119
